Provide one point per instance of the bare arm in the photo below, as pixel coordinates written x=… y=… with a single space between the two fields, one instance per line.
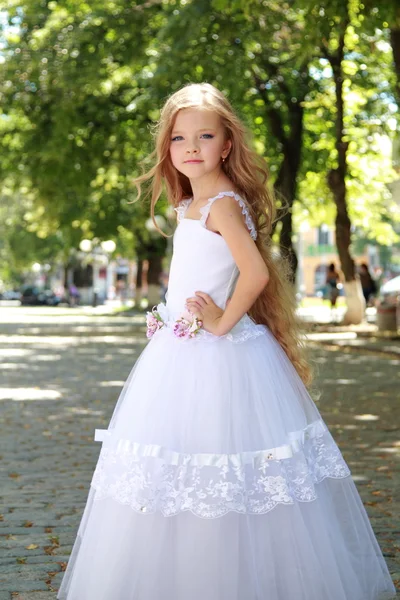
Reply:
x=226 y=218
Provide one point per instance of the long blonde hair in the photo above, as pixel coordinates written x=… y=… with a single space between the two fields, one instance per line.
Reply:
x=275 y=306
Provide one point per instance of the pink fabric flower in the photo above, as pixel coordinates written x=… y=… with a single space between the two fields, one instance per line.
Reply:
x=153 y=321
x=187 y=325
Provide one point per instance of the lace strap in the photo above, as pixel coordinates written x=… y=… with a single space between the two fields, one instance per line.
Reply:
x=205 y=211
x=182 y=208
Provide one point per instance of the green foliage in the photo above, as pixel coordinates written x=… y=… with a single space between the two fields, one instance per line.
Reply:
x=71 y=77
x=25 y=237
x=82 y=83
x=369 y=124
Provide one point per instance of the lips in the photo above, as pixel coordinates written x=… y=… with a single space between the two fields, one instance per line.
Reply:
x=195 y=162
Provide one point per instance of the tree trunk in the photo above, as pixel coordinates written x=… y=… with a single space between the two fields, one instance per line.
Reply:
x=153 y=250
x=153 y=279
x=395 y=41
x=286 y=186
x=355 y=301
x=291 y=144
x=343 y=224
x=286 y=244
x=139 y=282
x=337 y=184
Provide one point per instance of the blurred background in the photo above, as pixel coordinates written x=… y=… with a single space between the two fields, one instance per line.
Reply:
x=81 y=85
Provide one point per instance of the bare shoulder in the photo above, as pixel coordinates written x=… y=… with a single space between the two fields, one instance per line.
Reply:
x=226 y=206
x=227 y=219
x=226 y=216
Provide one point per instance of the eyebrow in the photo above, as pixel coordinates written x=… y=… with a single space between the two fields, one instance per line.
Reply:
x=198 y=131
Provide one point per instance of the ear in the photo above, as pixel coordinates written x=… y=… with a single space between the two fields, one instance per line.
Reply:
x=226 y=148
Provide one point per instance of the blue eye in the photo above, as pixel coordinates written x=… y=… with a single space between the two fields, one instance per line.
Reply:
x=207 y=136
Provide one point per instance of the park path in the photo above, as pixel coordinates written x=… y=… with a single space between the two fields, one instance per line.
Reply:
x=61 y=375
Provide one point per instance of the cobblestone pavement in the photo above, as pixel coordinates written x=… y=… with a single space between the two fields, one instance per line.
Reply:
x=61 y=374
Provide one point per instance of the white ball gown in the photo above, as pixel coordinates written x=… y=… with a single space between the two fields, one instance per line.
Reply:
x=217 y=478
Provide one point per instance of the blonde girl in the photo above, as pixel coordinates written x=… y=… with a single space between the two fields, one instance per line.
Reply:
x=218 y=478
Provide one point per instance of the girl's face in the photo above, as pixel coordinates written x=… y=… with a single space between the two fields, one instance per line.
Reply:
x=198 y=142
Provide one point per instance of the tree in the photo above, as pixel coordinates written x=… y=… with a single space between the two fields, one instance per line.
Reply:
x=82 y=84
x=23 y=240
x=263 y=44
x=340 y=24
x=68 y=89
x=385 y=15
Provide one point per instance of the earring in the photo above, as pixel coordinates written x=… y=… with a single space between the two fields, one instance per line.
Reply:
x=223 y=159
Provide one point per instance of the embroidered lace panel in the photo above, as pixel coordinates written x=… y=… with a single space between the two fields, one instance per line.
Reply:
x=150 y=478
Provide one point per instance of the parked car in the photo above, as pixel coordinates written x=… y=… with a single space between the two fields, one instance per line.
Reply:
x=33 y=296
x=390 y=291
x=10 y=295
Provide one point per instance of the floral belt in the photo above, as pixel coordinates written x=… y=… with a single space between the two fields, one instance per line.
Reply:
x=187 y=326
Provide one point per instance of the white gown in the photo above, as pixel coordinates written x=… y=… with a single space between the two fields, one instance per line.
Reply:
x=217 y=478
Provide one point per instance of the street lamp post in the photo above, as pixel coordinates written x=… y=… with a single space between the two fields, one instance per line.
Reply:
x=97 y=252
x=301 y=285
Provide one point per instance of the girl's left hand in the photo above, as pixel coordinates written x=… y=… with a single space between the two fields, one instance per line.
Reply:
x=204 y=308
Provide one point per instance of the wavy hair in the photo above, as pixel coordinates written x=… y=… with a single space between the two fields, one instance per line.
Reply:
x=276 y=305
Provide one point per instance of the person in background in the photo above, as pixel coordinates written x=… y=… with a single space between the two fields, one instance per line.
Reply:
x=368 y=284
x=73 y=293
x=332 y=282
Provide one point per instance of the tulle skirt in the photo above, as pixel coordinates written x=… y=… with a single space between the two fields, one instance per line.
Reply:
x=218 y=480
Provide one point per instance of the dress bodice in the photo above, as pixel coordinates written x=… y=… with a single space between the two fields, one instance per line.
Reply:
x=202 y=260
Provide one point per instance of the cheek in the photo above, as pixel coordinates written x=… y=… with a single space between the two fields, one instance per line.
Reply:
x=173 y=152
x=213 y=151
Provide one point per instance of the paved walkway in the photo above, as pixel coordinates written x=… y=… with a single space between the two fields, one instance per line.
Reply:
x=61 y=374
x=357 y=339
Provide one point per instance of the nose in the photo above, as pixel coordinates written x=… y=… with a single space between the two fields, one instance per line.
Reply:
x=192 y=149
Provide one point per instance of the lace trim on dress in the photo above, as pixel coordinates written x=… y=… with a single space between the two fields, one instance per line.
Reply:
x=205 y=211
x=181 y=208
x=150 y=478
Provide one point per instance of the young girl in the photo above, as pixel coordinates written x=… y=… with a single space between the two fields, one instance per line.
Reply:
x=217 y=478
